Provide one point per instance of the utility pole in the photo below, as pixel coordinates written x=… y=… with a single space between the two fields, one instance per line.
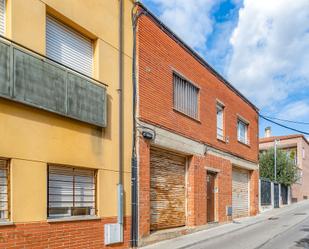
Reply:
x=275 y=166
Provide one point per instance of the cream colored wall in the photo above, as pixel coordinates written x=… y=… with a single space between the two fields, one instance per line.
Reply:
x=305 y=169
x=32 y=138
x=299 y=189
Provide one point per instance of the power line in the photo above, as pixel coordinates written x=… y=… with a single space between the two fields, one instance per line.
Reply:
x=284 y=126
x=289 y=121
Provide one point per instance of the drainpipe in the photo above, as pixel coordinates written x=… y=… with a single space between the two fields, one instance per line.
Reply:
x=120 y=182
x=113 y=233
x=134 y=166
x=134 y=172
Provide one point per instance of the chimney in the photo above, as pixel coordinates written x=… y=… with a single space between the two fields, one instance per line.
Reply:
x=267 y=131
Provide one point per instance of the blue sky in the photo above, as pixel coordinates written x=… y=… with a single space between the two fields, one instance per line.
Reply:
x=261 y=47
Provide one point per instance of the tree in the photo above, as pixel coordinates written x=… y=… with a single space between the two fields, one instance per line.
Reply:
x=286 y=168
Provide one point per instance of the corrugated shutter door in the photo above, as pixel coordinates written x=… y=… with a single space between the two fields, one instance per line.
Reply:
x=167 y=190
x=2 y=17
x=240 y=193
x=68 y=47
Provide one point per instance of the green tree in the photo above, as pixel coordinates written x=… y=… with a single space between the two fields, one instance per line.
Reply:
x=286 y=169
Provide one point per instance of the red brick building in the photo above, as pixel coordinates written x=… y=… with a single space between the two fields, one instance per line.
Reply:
x=197 y=137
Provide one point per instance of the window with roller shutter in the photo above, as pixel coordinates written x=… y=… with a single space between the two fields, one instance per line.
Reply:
x=68 y=47
x=71 y=191
x=185 y=96
x=4 y=190
x=2 y=17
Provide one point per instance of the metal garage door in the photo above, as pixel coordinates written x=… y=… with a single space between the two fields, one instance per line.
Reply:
x=240 y=193
x=167 y=189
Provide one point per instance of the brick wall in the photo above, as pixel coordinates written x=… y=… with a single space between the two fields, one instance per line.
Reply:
x=158 y=56
x=60 y=235
x=144 y=188
x=196 y=188
x=254 y=192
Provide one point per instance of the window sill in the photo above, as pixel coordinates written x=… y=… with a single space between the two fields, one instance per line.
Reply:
x=6 y=223
x=221 y=140
x=248 y=145
x=187 y=116
x=76 y=218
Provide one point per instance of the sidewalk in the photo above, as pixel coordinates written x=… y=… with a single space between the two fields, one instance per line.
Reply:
x=211 y=233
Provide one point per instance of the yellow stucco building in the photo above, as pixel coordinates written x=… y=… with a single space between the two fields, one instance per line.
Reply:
x=60 y=91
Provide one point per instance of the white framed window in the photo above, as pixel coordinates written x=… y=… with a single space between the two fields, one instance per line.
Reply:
x=71 y=191
x=185 y=96
x=220 y=121
x=242 y=131
x=2 y=17
x=4 y=190
x=68 y=47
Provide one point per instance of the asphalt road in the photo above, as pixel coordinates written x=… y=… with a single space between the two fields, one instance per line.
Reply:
x=286 y=231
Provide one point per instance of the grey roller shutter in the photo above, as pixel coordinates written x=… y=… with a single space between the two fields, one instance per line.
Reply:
x=185 y=96
x=68 y=47
x=240 y=193
x=2 y=17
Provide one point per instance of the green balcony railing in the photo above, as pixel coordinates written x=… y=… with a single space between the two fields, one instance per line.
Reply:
x=35 y=80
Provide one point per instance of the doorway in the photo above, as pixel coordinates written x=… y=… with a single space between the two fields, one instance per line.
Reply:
x=211 y=177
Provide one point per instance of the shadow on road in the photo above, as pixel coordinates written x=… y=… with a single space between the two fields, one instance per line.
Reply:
x=304 y=242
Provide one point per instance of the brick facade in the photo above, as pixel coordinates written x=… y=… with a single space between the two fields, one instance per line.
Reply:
x=60 y=235
x=159 y=55
x=196 y=189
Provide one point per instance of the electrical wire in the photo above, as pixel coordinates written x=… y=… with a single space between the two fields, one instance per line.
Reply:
x=289 y=121
x=284 y=126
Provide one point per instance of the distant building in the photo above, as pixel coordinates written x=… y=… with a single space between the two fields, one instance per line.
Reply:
x=297 y=147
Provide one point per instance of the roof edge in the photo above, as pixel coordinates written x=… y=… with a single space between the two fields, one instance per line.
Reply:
x=287 y=137
x=196 y=55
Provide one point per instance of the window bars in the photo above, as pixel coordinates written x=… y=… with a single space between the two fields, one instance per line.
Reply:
x=185 y=96
x=71 y=191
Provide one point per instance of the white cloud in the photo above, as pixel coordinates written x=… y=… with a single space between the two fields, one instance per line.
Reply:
x=270 y=50
x=188 y=19
x=295 y=111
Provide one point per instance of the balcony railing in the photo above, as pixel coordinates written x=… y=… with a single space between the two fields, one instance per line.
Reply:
x=35 y=80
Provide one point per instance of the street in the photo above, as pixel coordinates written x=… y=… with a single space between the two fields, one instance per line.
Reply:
x=282 y=228
x=286 y=231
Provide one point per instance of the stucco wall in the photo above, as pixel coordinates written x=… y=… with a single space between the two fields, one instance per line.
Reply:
x=32 y=138
x=301 y=188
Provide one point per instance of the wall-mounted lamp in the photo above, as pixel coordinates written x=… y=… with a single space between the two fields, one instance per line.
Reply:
x=147 y=135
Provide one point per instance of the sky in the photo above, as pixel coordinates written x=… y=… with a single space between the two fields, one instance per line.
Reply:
x=260 y=46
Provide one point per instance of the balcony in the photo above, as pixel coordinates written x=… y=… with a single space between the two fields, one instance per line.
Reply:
x=34 y=80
